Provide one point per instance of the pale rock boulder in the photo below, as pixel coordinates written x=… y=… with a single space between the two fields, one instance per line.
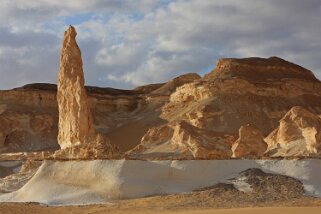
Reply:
x=181 y=140
x=299 y=134
x=250 y=143
x=77 y=136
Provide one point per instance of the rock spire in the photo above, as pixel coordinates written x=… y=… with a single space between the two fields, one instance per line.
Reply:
x=77 y=136
x=75 y=117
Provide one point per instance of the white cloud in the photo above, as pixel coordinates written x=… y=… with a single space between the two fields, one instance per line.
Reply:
x=128 y=43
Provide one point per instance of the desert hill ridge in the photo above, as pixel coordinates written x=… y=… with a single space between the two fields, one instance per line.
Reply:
x=91 y=89
x=187 y=117
x=259 y=69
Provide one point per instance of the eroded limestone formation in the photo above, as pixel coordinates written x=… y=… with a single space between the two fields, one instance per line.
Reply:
x=181 y=140
x=77 y=136
x=250 y=143
x=299 y=134
x=75 y=118
x=254 y=91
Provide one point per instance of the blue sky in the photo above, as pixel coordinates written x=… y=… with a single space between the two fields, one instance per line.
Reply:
x=78 y=18
x=133 y=42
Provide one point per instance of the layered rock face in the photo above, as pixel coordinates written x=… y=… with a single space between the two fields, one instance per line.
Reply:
x=180 y=140
x=238 y=92
x=225 y=104
x=259 y=69
x=22 y=130
x=77 y=136
x=250 y=143
x=299 y=134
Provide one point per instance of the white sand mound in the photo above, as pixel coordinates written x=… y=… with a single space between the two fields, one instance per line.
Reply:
x=87 y=182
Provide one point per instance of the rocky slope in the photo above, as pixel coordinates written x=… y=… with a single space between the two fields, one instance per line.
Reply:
x=238 y=92
x=181 y=140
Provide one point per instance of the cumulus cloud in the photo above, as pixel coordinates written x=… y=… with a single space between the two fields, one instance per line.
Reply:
x=129 y=43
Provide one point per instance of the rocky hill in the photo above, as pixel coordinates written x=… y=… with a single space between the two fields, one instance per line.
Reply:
x=238 y=92
x=187 y=117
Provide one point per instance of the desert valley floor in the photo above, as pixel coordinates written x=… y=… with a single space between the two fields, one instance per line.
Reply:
x=101 y=209
x=244 y=136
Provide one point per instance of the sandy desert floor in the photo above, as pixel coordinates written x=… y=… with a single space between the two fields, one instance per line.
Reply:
x=31 y=208
x=191 y=203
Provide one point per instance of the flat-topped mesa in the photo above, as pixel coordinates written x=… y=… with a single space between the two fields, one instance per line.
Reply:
x=259 y=69
x=77 y=136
